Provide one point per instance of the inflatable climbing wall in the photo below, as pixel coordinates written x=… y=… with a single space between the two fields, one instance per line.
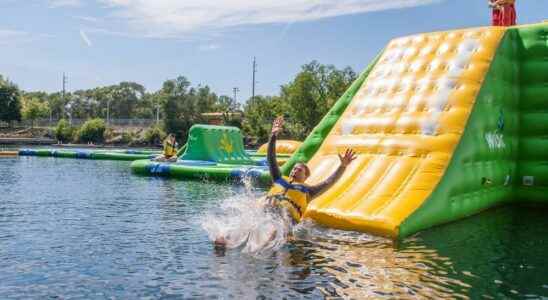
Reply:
x=445 y=125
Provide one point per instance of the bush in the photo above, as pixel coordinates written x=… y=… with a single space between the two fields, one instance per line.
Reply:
x=109 y=134
x=92 y=131
x=64 y=132
x=154 y=135
x=129 y=138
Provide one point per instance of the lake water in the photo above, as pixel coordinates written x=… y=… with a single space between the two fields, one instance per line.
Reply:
x=73 y=229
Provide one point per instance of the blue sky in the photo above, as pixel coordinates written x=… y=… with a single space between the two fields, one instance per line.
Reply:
x=102 y=42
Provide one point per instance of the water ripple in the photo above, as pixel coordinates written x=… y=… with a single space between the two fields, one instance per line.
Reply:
x=90 y=230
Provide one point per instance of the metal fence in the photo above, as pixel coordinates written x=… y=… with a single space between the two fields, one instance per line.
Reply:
x=78 y=122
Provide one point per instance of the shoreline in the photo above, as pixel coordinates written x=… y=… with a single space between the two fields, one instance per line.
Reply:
x=38 y=136
x=26 y=141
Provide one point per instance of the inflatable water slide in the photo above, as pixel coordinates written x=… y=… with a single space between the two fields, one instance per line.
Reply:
x=445 y=125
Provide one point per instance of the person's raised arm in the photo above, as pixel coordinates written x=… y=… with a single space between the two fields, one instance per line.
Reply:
x=346 y=159
x=277 y=127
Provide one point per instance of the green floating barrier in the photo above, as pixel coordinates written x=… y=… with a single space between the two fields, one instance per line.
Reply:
x=123 y=155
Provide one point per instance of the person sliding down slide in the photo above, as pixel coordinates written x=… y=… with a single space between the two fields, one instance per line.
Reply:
x=290 y=195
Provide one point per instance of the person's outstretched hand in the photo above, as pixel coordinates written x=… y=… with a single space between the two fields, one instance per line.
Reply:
x=278 y=126
x=348 y=157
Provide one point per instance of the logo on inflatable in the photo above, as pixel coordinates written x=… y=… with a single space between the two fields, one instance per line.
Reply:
x=495 y=139
x=226 y=145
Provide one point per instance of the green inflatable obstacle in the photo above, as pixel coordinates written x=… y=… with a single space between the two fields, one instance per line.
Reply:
x=219 y=144
x=212 y=152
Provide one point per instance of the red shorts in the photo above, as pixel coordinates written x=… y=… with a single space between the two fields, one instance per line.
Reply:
x=506 y=16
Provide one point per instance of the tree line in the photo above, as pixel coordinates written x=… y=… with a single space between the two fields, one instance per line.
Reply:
x=303 y=101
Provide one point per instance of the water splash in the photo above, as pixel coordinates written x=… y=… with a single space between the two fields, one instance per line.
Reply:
x=245 y=221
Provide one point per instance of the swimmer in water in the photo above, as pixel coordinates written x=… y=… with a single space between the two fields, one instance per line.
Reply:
x=290 y=196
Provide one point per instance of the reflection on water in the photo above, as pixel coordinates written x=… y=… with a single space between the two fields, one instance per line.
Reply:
x=87 y=229
x=498 y=254
x=360 y=266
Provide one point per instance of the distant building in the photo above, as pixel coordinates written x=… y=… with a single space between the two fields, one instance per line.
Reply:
x=218 y=118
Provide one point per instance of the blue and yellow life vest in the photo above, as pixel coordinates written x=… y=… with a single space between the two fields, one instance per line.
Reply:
x=169 y=149
x=293 y=197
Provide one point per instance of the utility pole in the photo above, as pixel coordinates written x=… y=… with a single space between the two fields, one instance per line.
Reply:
x=64 y=85
x=157 y=114
x=108 y=111
x=254 y=72
x=235 y=90
x=63 y=97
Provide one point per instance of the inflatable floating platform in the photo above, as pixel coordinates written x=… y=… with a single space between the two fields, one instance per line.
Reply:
x=8 y=153
x=257 y=156
x=125 y=155
x=215 y=153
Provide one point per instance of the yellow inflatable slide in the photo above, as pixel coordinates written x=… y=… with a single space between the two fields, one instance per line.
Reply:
x=434 y=124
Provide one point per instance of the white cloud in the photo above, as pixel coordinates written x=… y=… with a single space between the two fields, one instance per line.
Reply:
x=6 y=34
x=87 y=19
x=116 y=33
x=173 y=18
x=63 y=3
x=209 y=47
x=17 y=37
x=85 y=38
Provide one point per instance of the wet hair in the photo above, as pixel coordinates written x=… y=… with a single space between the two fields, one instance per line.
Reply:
x=306 y=169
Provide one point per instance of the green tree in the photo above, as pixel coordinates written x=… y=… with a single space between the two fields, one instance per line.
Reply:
x=92 y=131
x=259 y=112
x=227 y=106
x=10 y=102
x=121 y=101
x=56 y=104
x=64 y=132
x=312 y=93
x=83 y=104
x=33 y=109
x=179 y=107
x=126 y=97
x=43 y=97
x=183 y=105
x=146 y=108
x=154 y=135
x=205 y=99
